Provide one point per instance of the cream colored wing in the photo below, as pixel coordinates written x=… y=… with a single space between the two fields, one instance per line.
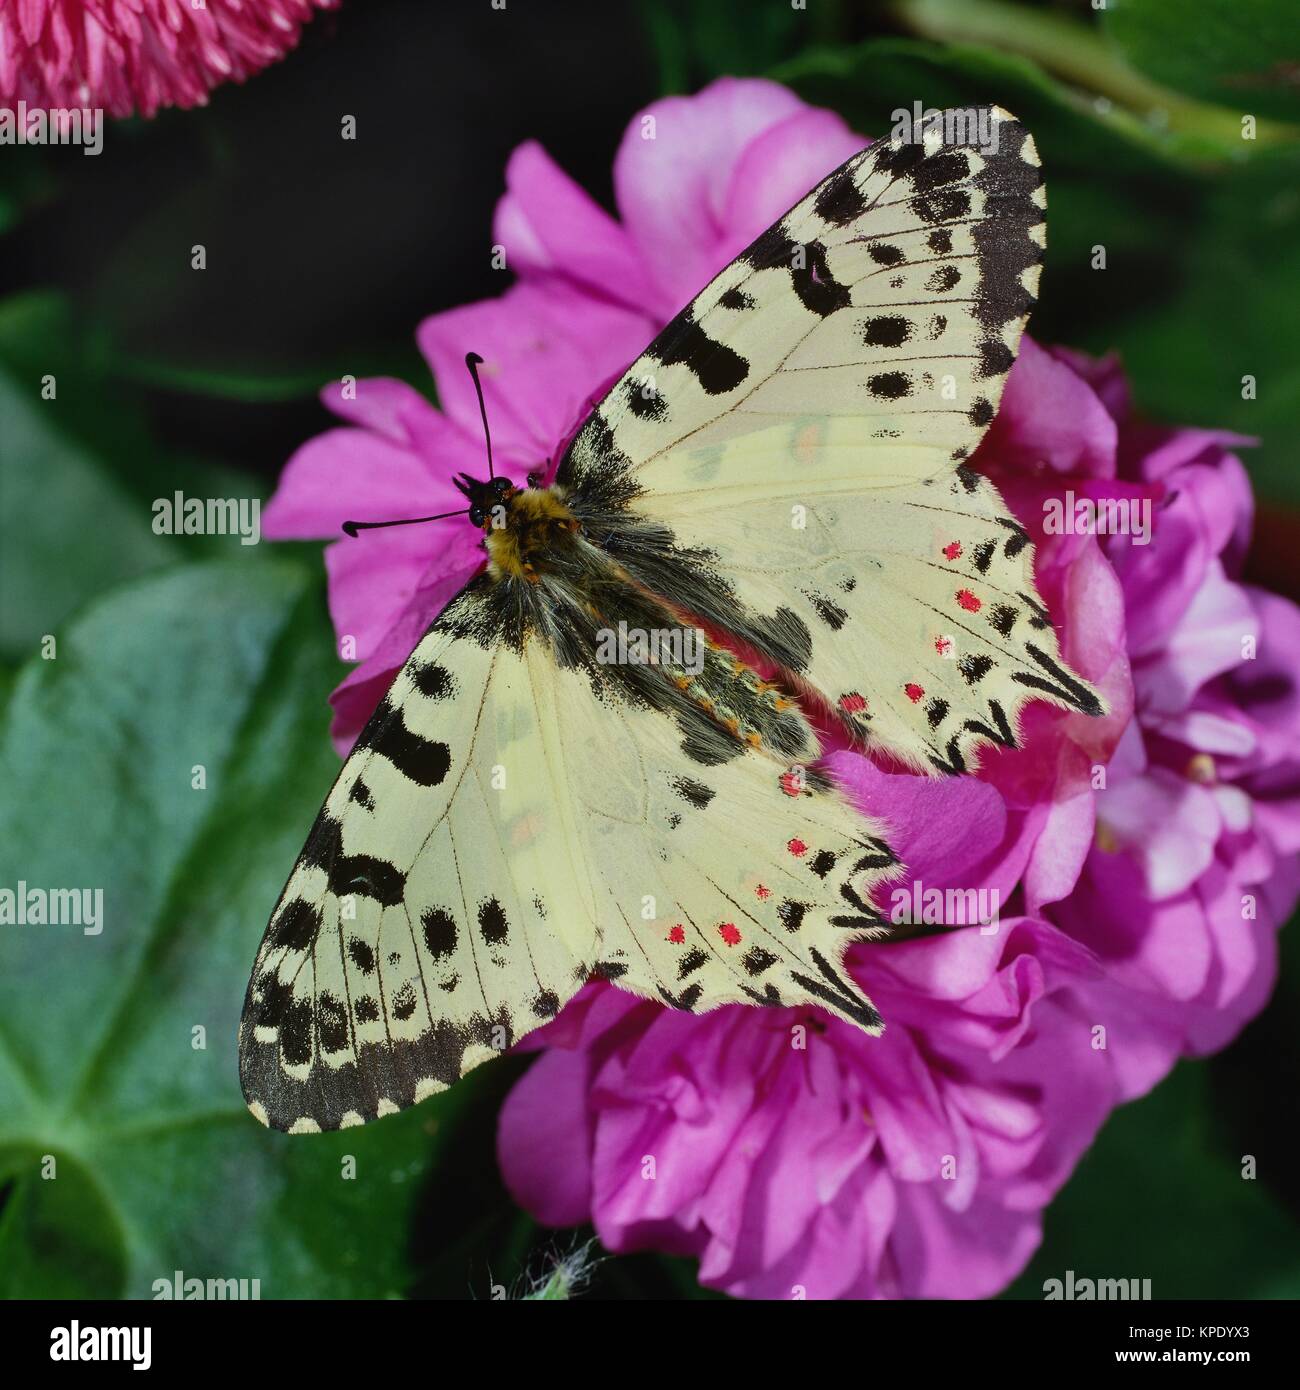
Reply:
x=738 y=882
x=506 y=827
x=786 y=460
x=435 y=914
x=922 y=627
x=888 y=304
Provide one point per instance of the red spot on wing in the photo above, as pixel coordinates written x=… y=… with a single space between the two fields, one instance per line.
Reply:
x=730 y=933
x=952 y=550
x=677 y=935
x=791 y=784
x=943 y=645
x=763 y=891
x=797 y=848
x=968 y=601
x=853 y=703
x=913 y=691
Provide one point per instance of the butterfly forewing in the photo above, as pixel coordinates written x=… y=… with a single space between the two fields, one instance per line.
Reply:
x=431 y=918
x=787 y=460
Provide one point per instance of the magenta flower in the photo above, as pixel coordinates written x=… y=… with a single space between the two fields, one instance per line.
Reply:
x=1141 y=864
x=138 y=55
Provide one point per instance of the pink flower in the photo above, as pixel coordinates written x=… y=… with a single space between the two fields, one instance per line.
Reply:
x=139 y=55
x=1141 y=863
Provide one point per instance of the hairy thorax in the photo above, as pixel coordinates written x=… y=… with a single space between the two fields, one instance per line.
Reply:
x=573 y=592
x=527 y=528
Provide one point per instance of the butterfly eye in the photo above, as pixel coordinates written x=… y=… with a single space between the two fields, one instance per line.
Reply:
x=501 y=486
x=477 y=516
x=534 y=480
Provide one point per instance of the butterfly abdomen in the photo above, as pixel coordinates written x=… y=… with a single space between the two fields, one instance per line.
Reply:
x=751 y=709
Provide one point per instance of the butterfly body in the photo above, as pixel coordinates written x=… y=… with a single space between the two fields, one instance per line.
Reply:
x=525 y=531
x=546 y=794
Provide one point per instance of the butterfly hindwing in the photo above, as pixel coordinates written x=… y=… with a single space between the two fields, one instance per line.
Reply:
x=509 y=824
x=732 y=878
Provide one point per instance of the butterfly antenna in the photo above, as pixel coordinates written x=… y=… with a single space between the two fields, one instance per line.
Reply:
x=472 y=360
x=352 y=527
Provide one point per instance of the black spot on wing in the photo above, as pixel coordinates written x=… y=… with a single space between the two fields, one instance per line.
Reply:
x=424 y=761
x=297 y=926
x=271 y=999
x=945 y=166
x=946 y=205
x=365 y=876
x=897 y=158
x=889 y=386
x=1017 y=540
x=736 y=299
x=995 y=359
x=827 y=610
x=434 y=682
x=817 y=288
x=545 y=1005
x=975 y=667
x=695 y=792
x=296 y=1034
x=717 y=367
x=331 y=1022
x=1002 y=617
x=692 y=961
x=840 y=201
x=439 y=931
x=645 y=402
x=884 y=254
x=822 y=863
x=757 y=959
x=492 y=922
x=942 y=280
x=404 y=1002
x=361 y=955
x=886 y=330
x=791 y=914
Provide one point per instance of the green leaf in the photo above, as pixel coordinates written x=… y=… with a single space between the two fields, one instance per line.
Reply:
x=1233 y=315
x=1161 y=1196
x=695 y=41
x=66 y=529
x=82 y=472
x=1095 y=71
x=1242 y=54
x=222 y=667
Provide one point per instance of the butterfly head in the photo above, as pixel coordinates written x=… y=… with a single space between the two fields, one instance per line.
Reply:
x=483 y=497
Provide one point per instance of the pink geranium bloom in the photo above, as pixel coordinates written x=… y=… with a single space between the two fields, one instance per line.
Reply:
x=1143 y=862
x=138 y=55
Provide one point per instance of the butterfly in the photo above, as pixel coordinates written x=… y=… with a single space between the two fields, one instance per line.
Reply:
x=771 y=513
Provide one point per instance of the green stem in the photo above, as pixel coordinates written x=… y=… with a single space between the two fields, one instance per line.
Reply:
x=1077 y=53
